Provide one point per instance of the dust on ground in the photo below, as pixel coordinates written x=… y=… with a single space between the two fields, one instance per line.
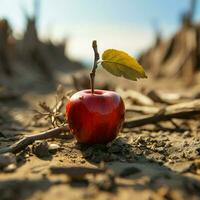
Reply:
x=149 y=162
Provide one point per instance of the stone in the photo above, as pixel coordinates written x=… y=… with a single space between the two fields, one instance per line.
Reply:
x=40 y=149
x=10 y=168
x=53 y=148
x=7 y=159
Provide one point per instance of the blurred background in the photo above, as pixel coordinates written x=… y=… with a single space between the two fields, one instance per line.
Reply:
x=47 y=44
x=129 y=25
x=40 y=38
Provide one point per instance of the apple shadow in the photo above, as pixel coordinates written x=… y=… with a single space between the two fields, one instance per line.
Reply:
x=128 y=164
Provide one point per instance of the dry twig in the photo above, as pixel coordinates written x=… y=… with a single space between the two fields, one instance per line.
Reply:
x=136 y=96
x=27 y=140
x=186 y=110
x=54 y=114
x=143 y=109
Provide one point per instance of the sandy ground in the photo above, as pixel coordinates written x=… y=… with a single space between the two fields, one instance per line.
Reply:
x=144 y=163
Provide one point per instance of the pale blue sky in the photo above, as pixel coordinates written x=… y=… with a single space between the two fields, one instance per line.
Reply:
x=121 y=24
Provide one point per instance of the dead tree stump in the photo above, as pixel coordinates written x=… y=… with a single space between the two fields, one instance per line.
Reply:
x=5 y=32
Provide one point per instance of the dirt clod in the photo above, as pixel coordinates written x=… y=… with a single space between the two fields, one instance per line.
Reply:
x=40 y=149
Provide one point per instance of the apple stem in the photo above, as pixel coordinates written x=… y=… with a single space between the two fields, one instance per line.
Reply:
x=95 y=65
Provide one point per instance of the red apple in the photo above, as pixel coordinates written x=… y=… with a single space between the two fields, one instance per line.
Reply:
x=95 y=118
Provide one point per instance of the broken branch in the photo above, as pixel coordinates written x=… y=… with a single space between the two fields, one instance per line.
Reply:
x=27 y=140
x=178 y=111
x=143 y=109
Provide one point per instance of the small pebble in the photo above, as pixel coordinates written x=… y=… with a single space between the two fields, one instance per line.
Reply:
x=10 y=168
x=186 y=134
x=53 y=148
x=40 y=149
x=7 y=159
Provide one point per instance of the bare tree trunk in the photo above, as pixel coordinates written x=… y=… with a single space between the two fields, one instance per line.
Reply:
x=192 y=9
x=4 y=35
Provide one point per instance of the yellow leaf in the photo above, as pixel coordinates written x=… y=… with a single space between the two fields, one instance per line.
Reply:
x=119 y=63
